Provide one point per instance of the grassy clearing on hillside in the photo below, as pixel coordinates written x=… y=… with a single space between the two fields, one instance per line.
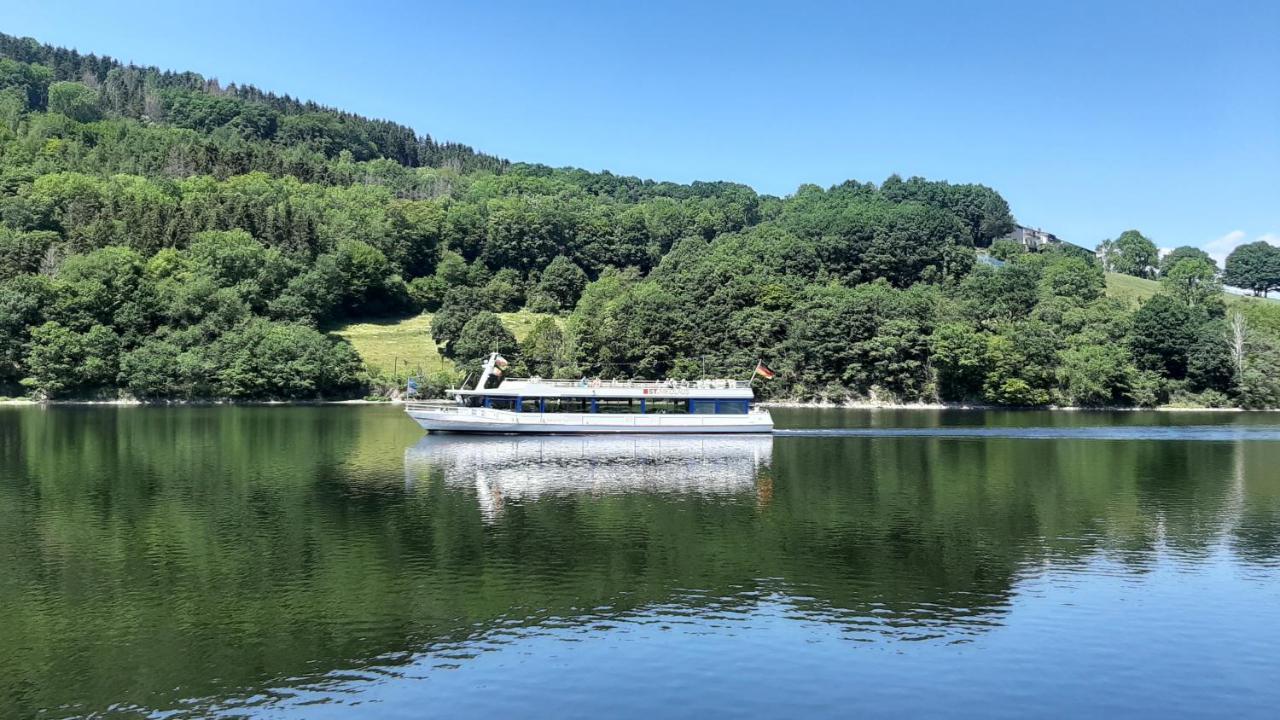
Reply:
x=1133 y=289
x=1129 y=288
x=391 y=343
x=1262 y=314
x=520 y=323
x=406 y=344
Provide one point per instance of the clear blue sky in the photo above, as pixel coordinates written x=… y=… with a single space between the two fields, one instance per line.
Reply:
x=1089 y=118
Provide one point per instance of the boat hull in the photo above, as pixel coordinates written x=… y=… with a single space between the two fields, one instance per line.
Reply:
x=499 y=422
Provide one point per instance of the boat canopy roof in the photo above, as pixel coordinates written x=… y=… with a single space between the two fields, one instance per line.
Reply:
x=621 y=389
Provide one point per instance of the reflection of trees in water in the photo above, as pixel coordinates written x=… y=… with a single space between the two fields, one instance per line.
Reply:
x=165 y=554
x=150 y=548
x=1255 y=530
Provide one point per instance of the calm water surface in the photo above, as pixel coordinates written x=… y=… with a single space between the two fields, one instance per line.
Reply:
x=330 y=561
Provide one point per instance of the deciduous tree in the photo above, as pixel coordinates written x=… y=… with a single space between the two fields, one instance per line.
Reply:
x=1255 y=266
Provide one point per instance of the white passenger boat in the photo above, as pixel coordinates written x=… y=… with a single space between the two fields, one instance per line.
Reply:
x=535 y=405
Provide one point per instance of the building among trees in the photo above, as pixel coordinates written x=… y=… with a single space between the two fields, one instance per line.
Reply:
x=1033 y=239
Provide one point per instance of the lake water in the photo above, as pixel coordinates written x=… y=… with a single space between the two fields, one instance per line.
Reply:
x=331 y=561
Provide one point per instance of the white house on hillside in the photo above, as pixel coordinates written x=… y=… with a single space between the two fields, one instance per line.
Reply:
x=1032 y=238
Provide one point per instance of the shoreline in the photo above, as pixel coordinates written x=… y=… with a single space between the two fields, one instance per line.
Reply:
x=869 y=405
x=787 y=404
x=165 y=403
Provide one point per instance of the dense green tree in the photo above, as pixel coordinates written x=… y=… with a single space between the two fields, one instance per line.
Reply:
x=105 y=287
x=1185 y=252
x=460 y=305
x=427 y=293
x=1021 y=360
x=30 y=80
x=1254 y=266
x=233 y=259
x=505 y=291
x=1259 y=378
x=161 y=368
x=983 y=212
x=315 y=295
x=893 y=360
x=562 y=281
x=452 y=270
x=1074 y=277
x=23 y=252
x=525 y=234
x=262 y=359
x=1164 y=329
x=62 y=361
x=483 y=334
x=997 y=295
x=1006 y=250
x=959 y=356
x=1194 y=281
x=1096 y=375
x=645 y=332
x=588 y=324
x=546 y=350
x=872 y=338
x=415 y=231
x=23 y=303
x=1131 y=254
x=1209 y=362
x=367 y=280
x=74 y=100
x=464 y=230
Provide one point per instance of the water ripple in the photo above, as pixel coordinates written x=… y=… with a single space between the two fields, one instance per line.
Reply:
x=1187 y=433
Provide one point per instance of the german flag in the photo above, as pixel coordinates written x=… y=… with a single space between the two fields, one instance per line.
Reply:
x=763 y=371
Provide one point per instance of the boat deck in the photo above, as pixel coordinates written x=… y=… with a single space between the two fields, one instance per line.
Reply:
x=465 y=419
x=538 y=387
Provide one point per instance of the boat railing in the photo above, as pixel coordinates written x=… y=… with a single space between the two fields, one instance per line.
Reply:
x=434 y=405
x=582 y=419
x=437 y=407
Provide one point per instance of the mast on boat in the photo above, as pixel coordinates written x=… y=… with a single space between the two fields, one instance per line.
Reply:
x=493 y=365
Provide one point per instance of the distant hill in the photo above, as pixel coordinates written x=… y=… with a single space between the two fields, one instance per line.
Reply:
x=165 y=235
x=187 y=99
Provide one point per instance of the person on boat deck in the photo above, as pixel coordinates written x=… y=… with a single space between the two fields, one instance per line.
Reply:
x=583 y=381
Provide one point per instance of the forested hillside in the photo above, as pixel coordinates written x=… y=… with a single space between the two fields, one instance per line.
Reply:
x=166 y=236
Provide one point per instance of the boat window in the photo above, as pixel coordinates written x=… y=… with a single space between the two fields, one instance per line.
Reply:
x=500 y=403
x=568 y=405
x=719 y=407
x=617 y=405
x=666 y=407
x=702 y=407
x=532 y=405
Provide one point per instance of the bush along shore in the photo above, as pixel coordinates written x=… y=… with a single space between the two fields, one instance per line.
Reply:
x=166 y=237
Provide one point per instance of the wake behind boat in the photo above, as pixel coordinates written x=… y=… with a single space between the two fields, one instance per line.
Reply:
x=536 y=405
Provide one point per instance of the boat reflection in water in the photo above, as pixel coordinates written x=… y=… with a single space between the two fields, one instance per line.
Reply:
x=524 y=468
